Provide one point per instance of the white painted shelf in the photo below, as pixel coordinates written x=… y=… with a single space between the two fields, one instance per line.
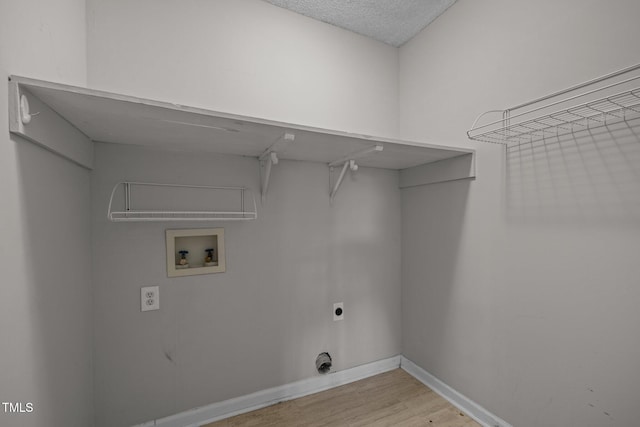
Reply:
x=68 y=119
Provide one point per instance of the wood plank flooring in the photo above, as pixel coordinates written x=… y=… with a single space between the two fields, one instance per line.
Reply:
x=390 y=399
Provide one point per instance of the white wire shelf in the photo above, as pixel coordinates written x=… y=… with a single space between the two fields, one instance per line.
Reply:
x=239 y=196
x=583 y=107
x=140 y=216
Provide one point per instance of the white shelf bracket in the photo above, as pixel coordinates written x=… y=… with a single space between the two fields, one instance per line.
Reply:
x=348 y=161
x=338 y=182
x=270 y=158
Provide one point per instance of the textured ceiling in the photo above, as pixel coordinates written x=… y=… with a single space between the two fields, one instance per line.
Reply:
x=393 y=22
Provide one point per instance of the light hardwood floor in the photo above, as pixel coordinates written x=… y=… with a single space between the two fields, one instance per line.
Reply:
x=394 y=398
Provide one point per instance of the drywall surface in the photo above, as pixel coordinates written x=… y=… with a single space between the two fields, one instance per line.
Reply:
x=520 y=288
x=245 y=57
x=45 y=291
x=263 y=322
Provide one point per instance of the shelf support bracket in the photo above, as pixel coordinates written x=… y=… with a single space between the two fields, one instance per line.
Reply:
x=349 y=161
x=270 y=158
x=336 y=186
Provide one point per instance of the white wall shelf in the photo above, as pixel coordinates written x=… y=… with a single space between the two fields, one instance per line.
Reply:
x=145 y=201
x=85 y=115
x=604 y=101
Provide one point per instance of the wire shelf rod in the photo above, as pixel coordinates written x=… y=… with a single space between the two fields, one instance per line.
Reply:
x=590 y=111
x=130 y=214
x=155 y=184
x=555 y=103
x=579 y=86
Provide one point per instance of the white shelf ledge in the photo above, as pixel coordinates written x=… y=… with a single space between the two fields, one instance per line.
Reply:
x=93 y=115
x=67 y=120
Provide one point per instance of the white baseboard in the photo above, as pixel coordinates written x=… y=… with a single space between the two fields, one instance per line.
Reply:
x=239 y=405
x=468 y=406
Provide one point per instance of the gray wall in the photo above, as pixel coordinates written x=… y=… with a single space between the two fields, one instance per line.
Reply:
x=261 y=323
x=45 y=291
x=247 y=57
x=521 y=295
x=520 y=288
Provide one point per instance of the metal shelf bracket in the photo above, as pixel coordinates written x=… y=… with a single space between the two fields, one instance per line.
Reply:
x=270 y=158
x=348 y=161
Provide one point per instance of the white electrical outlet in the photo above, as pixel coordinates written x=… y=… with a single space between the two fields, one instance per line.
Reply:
x=149 y=298
x=338 y=311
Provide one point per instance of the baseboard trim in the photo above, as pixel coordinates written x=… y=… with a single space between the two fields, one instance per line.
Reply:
x=468 y=406
x=239 y=405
